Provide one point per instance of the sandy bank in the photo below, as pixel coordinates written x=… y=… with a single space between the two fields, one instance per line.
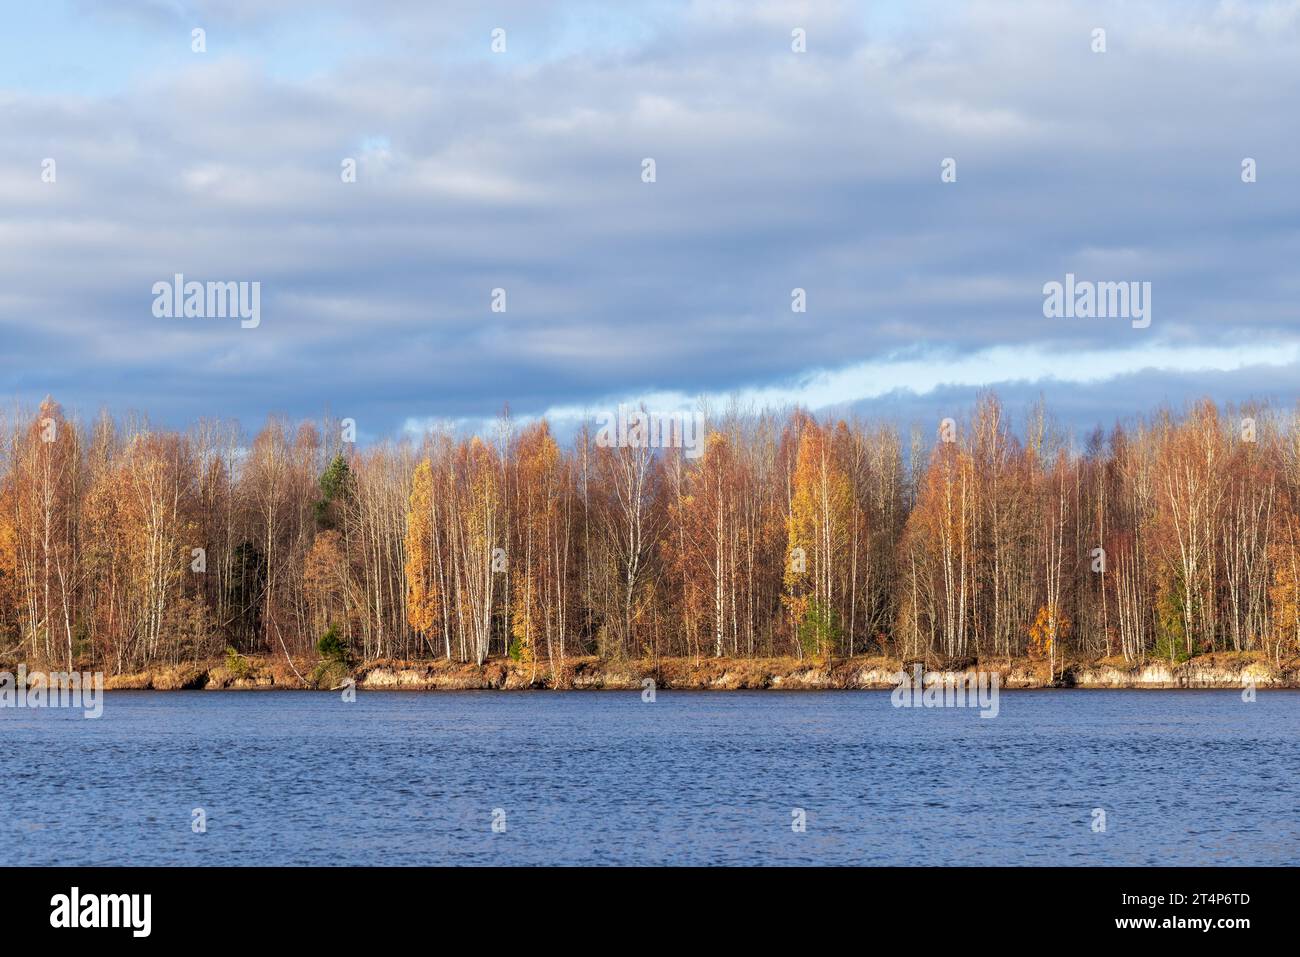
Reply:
x=712 y=674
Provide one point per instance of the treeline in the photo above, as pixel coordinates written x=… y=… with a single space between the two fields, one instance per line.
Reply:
x=128 y=546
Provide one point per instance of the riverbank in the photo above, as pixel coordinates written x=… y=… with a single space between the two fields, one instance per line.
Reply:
x=1226 y=670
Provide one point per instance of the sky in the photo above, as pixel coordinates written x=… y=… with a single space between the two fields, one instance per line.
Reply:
x=522 y=170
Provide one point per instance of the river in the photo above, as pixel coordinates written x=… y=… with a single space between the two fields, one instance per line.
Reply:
x=1182 y=777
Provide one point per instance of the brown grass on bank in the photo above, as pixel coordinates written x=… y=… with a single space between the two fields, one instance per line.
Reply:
x=1221 y=669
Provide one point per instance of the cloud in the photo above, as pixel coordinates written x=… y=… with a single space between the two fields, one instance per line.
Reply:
x=522 y=171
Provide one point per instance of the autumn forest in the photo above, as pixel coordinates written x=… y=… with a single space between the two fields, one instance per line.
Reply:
x=1170 y=536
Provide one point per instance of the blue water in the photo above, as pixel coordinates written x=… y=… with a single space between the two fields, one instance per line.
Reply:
x=1191 y=777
